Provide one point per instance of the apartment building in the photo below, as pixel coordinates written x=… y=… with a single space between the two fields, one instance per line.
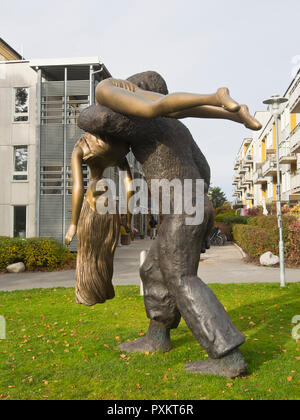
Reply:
x=40 y=101
x=255 y=176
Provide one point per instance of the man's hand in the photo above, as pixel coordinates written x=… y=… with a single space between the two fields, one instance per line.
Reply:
x=70 y=234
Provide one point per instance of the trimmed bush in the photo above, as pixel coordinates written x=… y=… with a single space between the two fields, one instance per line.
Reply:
x=12 y=250
x=33 y=252
x=254 y=240
x=294 y=243
x=228 y=214
x=226 y=222
x=262 y=235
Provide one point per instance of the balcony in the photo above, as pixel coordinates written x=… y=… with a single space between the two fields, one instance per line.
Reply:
x=285 y=153
x=269 y=167
x=258 y=177
x=248 y=161
x=295 y=140
x=294 y=199
x=242 y=169
x=295 y=182
x=236 y=179
x=295 y=97
x=237 y=164
x=249 y=196
x=240 y=187
x=248 y=178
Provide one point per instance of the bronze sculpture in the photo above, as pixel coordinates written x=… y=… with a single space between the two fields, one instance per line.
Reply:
x=139 y=113
x=97 y=233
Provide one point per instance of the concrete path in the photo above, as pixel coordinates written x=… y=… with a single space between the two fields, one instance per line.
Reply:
x=218 y=265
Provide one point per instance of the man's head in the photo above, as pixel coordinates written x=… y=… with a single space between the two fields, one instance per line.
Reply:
x=150 y=80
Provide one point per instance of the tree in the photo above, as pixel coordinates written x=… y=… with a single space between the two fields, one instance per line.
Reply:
x=217 y=196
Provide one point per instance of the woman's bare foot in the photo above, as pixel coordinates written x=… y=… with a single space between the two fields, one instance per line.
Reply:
x=247 y=119
x=226 y=101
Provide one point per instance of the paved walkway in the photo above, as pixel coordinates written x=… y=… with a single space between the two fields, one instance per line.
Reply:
x=218 y=265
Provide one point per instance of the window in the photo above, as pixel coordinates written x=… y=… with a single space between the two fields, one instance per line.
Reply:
x=21 y=104
x=20 y=222
x=20 y=163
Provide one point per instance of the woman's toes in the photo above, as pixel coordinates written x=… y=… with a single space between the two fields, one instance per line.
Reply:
x=249 y=121
x=226 y=101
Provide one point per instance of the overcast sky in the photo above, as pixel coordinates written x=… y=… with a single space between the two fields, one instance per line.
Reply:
x=196 y=45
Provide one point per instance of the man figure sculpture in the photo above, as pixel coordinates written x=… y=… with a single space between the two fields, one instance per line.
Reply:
x=172 y=289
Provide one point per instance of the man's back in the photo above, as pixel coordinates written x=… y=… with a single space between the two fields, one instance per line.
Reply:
x=164 y=146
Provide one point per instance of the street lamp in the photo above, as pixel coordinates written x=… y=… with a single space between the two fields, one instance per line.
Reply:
x=274 y=105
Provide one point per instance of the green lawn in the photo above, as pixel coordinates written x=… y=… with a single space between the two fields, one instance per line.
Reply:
x=56 y=349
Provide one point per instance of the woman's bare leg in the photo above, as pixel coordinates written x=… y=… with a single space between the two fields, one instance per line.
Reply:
x=242 y=116
x=136 y=103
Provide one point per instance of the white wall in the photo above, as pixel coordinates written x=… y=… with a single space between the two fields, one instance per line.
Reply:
x=16 y=74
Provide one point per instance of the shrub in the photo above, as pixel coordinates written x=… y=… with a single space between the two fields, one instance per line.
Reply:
x=236 y=220
x=254 y=240
x=253 y=212
x=45 y=252
x=226 y=222
x=221 y=216
x=262 y=235
x=11 y=251
x=34 y=252
x=225 y=208
x=293 y=243
x=295 y=210
x=226 y=229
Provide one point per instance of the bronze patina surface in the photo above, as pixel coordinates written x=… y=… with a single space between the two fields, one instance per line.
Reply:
x=140 y=115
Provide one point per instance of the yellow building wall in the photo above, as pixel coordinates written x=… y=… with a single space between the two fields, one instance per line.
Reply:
x=293 y=121
x=6 y=54
x=263 y=150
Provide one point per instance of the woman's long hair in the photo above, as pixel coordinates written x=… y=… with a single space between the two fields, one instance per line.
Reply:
x=97 y=240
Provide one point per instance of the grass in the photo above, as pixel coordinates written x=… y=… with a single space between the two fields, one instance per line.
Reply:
x=56 y=349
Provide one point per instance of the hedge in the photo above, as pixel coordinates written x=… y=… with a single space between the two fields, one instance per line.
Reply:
x=33 y=252
x=226 y=222
x=221 y=218
x=262 y=235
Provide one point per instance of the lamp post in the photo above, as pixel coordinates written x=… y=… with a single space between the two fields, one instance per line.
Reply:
x=274 y=105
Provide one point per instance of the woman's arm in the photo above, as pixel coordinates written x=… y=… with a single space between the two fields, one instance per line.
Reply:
x=77 y=193
x=124 y=166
